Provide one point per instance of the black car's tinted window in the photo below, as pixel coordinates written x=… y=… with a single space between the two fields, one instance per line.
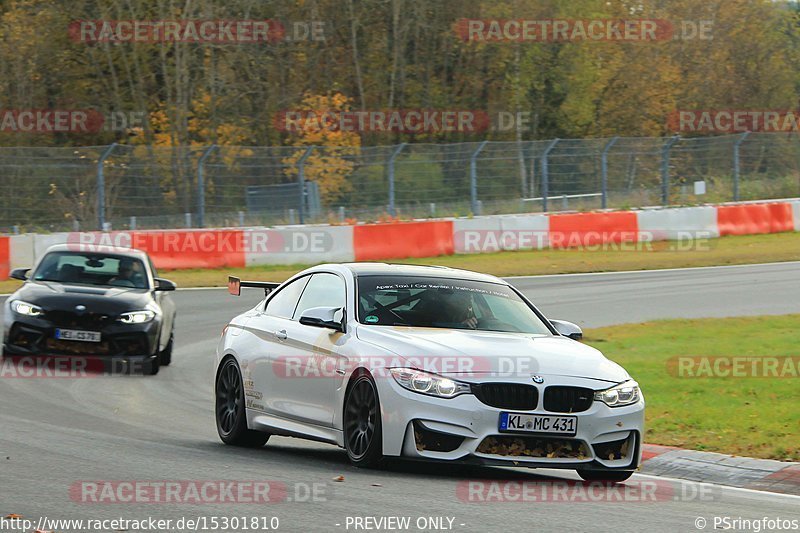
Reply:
x=283 y=303
x=324 y=290
x=92 y=269
x=444 y=303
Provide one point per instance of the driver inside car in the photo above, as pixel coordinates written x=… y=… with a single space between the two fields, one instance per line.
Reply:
x=129 y=274
x=455 y=310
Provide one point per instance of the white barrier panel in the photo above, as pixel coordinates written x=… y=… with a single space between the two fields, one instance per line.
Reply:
x=306 y=245
x=42 y=242
x=531 y=232
x=470 y=234
x=796 y=215
x=678 y=224
x=20 y=251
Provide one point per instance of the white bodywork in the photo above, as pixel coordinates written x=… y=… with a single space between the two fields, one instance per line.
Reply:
x=307 y=400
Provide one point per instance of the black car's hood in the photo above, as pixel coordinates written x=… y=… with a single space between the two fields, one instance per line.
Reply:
x=62 y=296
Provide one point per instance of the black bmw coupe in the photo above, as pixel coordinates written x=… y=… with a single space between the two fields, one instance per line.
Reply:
x=106 y=304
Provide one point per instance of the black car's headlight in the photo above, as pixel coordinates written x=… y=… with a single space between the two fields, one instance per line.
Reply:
x=137 y=317
x=625 y=393
x=427 y=383
x=24 y=308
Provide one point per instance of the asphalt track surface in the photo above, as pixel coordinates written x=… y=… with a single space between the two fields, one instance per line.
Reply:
x=56 y=432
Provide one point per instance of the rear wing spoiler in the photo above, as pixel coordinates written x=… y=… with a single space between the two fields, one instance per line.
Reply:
x=235 y=285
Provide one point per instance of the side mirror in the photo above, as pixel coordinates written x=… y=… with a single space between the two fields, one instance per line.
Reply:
x=164 y=284
x=568 y=329
x=324 y=317
x=19 y=273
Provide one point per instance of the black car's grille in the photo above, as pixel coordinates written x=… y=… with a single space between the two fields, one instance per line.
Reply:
x=507 y=395
x=68 y=319
x=563 y=399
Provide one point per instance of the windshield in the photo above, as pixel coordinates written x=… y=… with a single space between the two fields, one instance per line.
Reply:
x=444 y=303
x=92 y=269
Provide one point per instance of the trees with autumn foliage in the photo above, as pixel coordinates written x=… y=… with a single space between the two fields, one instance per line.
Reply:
x=389 y=54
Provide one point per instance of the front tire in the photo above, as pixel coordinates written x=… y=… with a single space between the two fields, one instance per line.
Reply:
x=612 y=476
x=230 y=409
x=362 y=424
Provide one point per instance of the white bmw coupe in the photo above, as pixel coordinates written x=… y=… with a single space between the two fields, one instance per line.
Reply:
x=427 y=363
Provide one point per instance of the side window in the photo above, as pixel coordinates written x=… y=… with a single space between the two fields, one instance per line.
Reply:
x=285 y=300
x=324 y=290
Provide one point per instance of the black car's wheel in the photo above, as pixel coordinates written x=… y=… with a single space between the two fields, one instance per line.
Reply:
x=362 y=424
x=614 y=476
x=165 y=357
x=230 y=409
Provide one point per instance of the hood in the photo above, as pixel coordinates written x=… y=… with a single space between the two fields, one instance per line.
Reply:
x=457 y=353
x=53 y=296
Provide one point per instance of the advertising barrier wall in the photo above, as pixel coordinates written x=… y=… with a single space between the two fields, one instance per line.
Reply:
x=224 y=248
x=372 y=242
x=751 y=219
x=5 y=257
x=591 y=229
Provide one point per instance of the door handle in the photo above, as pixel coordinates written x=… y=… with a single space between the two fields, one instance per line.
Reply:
x=281 y=335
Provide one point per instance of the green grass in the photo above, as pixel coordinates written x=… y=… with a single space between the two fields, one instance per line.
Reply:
x=752 y=416
x=713 y=252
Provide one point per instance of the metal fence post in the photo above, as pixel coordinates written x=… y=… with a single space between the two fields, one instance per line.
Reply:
x=544 y=178
x=665 y=168
x=473 y=180
x=101 y=187
x=301 y=180
x=736 y=169
x=391 y=177
x=201 y=186
x=604 y=172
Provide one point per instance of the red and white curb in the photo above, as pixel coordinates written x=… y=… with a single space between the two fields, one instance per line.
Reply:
x=708 y=467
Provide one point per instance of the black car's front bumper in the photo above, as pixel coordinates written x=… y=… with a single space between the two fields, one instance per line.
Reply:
x=36 y=336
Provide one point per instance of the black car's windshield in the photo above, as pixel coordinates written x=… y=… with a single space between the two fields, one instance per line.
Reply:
x=444 y=303
x=92 y=269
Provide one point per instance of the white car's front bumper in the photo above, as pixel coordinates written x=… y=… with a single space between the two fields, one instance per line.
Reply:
x=462 y=423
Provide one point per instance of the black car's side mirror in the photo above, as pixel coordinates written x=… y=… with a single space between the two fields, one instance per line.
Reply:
x=164 y=284
x=19 y=273
x=324 y=317
x=568 y=329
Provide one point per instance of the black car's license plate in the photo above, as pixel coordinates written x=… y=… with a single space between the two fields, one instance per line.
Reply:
x=77 y=335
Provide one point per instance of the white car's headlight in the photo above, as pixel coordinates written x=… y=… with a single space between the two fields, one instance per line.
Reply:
x=136 y=317
x=430 y=384
x=24 y=308
x=626 y=393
